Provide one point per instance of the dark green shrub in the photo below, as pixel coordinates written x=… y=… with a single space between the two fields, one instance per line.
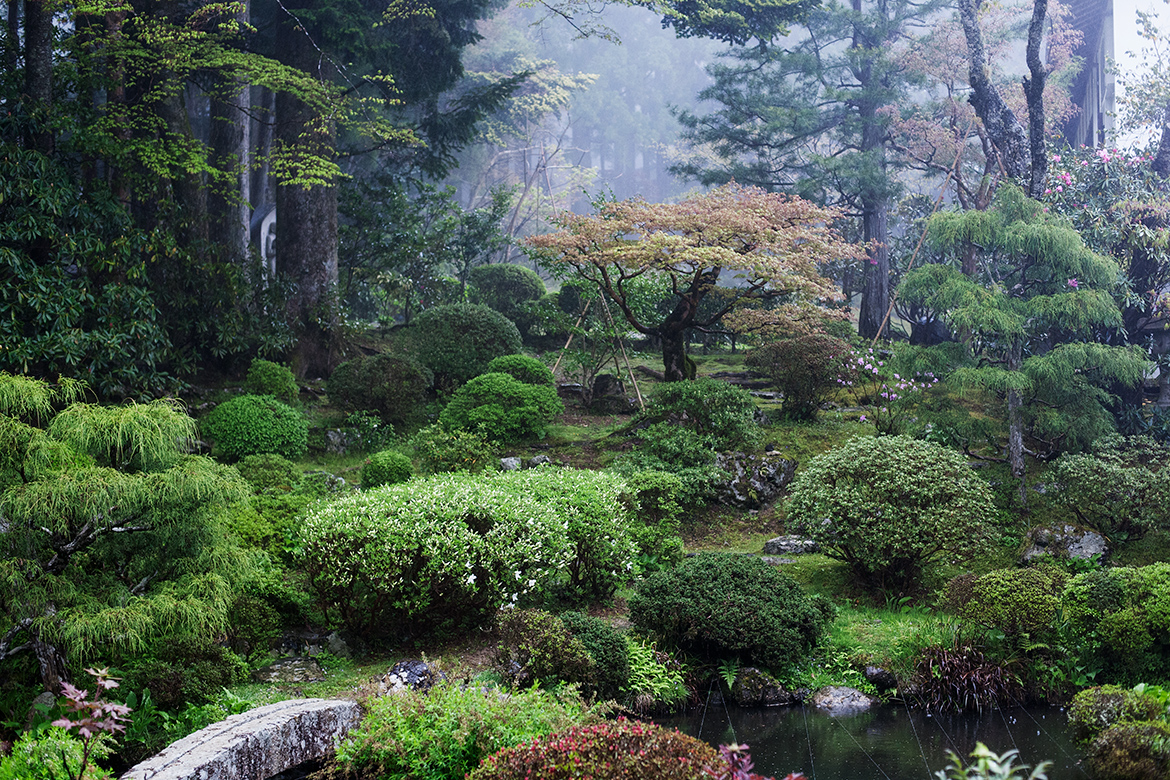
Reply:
x=658 y=680
x=1131 y=751
x=255 y=424
x=439 y=451
x=654 y=496
x=268 y=378
x=709 y=407
x=386 y=468
x=184 y=670
x=393 y=387
x=607 y=648
x=457 y=342
x=1014 y=601
x=527 y=369
x=678 y=450
x=1122 y=488
x=444 y=733
x=253 y=626
x=269 y=471
x=805 y=367
x=1096 y=709
x=536 y=648
x=615 y=750
x=509 y=289
x=731 y=606
x=502 y=408
x=888 y=506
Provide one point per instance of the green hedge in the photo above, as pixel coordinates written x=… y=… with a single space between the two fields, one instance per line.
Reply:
x=255 y=424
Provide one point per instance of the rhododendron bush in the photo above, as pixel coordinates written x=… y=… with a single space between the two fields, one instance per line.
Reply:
x=450 y=550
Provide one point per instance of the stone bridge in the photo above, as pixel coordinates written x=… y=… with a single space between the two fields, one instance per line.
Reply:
x=256 y=744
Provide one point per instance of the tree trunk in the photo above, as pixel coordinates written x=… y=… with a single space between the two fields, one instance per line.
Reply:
x=1161 y=163
x=306 y=222
x=228 y=205
x=673 y=330
x=1016 y=423
x=1034 y=91
x=189 y=189
x=12 y=50
x=674 y=354
x=875 y=295
x=38 y=73
x=1003 y=129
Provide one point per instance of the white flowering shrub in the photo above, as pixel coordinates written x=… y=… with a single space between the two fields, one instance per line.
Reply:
x=594 y=506
x=446 y=552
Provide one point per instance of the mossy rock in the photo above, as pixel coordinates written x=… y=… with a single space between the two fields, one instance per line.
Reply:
x=1131 y=751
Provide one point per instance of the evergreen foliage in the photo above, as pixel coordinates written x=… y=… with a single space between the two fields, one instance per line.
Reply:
x=726 y=606
x=268 y=378
x=386 y=468
x=1121 y=488
x=458 y=341
x=392 y=386
x=117 y=542
x=888 y=506
x=709 y=407
x=502 y=408
x=255 y=424
x=440 y=451
x=527 y=369
x=537 y=648
x=509 y=289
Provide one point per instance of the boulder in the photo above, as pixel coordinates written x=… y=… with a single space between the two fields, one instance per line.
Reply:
x=537 y=461
x=790 y=544
x=755 y=688
x=1064 y=540
x=754 y=481
x=839 y=700
x=290 y=670
x=509 y=464
x=882 y=679
x=416 y=675
x=337 y=646
x=336 y=442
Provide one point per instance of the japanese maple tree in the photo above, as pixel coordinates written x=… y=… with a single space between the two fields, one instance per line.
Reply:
x=773 y=244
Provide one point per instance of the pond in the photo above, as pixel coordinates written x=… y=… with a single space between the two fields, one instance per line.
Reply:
x=889 y=742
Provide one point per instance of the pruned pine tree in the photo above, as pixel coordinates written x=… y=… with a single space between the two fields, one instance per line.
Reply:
x=110 y=536
x=774 y=244
x=1037 y=322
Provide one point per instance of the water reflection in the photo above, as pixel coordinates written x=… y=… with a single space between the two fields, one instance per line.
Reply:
x=887 y=743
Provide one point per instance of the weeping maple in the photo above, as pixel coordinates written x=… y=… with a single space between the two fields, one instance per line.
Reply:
x=773 y=245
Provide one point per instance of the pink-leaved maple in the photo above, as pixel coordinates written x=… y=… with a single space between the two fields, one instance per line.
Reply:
x=774 y=245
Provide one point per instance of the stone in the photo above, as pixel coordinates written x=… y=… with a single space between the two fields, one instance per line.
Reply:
x=839 y=700
x=258 y=743
x=537 y=461
x=336 y=442
x=882 y=679
x=1064 y=540
x=337 y=646
x=416 y=675
x=290 y=670
x=756 y=688
x=509 y=464
x=608 y=385
x=790 y=544
x=754 y=481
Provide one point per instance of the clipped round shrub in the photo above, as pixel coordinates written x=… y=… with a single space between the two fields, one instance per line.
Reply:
x=1122 y=487
x=502 y=408
x=439 y=451
x=709 y=407
x=440 y=553
x=1015 y=601
x=509 y=289
x=615 y=750
x=386 y=468
x=185 y=670
x=268 y=378
x=255 y=424
x=731 y=606
x=654 y=498
x=394 y=387
x=1095 y=709
x=607 y=648
x=269 y=471
x=527 y=369
x=1131 y=751
x=458 y=341
x=536 y=648
x=444 y=733
x=888 y=506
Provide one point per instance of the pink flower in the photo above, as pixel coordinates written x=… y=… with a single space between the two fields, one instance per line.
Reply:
x=1059 y=188
x=1073 y=283
x=1056 y=158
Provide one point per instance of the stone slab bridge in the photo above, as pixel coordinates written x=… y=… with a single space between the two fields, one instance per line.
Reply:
x=256 y=744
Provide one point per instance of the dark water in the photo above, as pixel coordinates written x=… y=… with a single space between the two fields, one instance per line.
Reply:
x=887 y=743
